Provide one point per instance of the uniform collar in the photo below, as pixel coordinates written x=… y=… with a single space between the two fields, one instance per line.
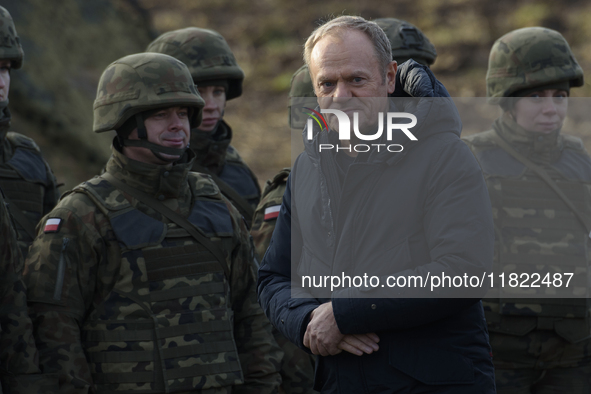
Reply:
x=537 y=146
x=211 y=147
x=160 y=181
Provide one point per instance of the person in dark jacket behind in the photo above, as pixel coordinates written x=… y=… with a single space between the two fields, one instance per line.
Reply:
x=422 y=210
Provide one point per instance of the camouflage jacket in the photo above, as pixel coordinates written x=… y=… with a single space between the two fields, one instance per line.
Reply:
x=265 y=216
x=27 y=181
x=74 y=274
x=534 y=226
x=297 y=368
x=215 y=154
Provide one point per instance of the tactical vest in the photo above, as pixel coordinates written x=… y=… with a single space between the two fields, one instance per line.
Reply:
x=23 y=179
x=167 y=324
x=535 y=229
x=237 y=174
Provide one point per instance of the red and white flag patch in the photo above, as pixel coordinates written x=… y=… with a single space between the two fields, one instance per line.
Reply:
x=272 y=212
x=52 y=225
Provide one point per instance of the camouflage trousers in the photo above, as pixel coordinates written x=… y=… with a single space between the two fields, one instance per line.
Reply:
x=540 y=362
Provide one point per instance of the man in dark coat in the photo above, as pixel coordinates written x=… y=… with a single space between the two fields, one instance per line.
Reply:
x=423 y=210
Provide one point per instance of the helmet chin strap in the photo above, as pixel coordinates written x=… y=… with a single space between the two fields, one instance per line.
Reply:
x=157 y=150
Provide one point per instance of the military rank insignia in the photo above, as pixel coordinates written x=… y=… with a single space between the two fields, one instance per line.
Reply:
x=52 y=225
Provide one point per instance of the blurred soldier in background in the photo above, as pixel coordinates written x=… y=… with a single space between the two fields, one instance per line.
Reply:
x=539 y=181
x=19 y=371
x=25 y=178
x=218 y=78
x=140 y=280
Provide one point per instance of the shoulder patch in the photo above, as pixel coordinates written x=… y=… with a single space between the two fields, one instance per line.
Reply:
x=271 y=212
x=52 y=225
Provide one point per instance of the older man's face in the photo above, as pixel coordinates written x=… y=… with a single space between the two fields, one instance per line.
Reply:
x=347 y=76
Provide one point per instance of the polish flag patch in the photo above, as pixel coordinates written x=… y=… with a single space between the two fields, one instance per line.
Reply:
x=52 y=225
x=272 y=212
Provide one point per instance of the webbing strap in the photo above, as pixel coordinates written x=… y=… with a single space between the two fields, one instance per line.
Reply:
x=534 y=259
x=557 y=223
x=177 y=293
x=544 y=175
x=171 y=215
x=121 y=357
x=200 y=348
x=205 y=369
x=21 y=218
x=119 y=377
x=243 y=206
x=163 y=332
x=537 y=203
x=5 y=173
x=148 y=355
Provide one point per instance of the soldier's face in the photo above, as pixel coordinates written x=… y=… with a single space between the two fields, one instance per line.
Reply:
x=168 y=127
x=543 y=111
x=4 y=79
x=215 y=102
x=347 y=75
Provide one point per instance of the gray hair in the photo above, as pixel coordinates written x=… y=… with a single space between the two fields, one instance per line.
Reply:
x=376 y=35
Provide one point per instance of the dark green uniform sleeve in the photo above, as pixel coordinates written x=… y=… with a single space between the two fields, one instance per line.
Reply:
x=19 y=371
x=260 y=356
x=262 y=228
x=61 y=276
x=297 y=366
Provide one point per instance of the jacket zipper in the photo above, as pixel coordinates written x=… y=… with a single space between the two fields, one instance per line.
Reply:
x=61 y=271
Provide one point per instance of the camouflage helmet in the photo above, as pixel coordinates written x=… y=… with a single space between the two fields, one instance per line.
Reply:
x=407 y=41
x=527 y=58
x=141 y=82
x=10 y=44
x=301 y=86
x=206 y=53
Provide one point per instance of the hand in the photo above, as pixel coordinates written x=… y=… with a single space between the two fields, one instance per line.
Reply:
x=323 y=336
x=360 y=343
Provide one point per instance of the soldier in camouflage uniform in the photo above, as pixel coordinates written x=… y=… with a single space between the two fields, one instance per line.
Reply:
x=539 y=345
x=19 y=370
x=140 y=280
x=407 y=42
x=25 y=178
x=218 y=78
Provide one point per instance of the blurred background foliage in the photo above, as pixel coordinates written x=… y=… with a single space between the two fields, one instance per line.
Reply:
x=68 y=44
